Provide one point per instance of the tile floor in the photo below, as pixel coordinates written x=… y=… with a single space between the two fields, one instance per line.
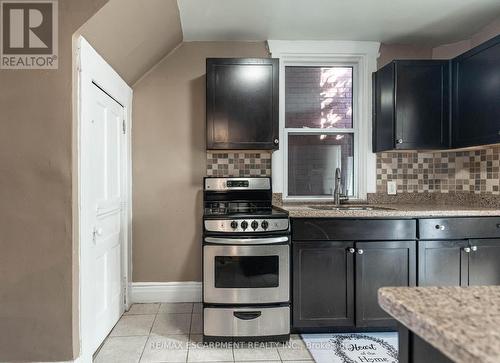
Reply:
x=173 y=333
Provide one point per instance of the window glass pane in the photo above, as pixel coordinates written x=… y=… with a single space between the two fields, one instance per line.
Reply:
x=312 y=160
x=318 y=97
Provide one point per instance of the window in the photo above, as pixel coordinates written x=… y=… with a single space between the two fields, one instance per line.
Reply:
x=320 y=129
x=325 y=118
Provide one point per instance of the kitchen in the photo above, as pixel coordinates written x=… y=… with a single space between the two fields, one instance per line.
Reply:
x=279 y=184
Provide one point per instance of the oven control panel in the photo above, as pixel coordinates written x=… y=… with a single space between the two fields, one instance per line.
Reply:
x=246 y=225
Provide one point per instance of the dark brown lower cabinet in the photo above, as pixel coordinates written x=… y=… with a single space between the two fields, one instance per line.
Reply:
x=323 y=288
x=484 y=262
x=413 y=349
x=335 y=283
x=459 y=263
x=442 y=263
x=381 y=264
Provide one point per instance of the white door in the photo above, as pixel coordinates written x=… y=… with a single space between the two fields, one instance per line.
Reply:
x=105 y=149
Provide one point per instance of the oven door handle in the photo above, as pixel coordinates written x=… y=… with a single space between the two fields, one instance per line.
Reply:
x=243 y=241
x=247 y=315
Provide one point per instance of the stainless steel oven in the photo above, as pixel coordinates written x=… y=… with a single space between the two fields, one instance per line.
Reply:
x=246 y=270
x=246 y=262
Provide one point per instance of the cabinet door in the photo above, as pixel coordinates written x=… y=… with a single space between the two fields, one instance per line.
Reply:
x=476 y=96
x=380 y=264
x=323 y=289
x=442 y=263
x=422 y=104
x=383 y=108
x=242 y=103
x=484 y=262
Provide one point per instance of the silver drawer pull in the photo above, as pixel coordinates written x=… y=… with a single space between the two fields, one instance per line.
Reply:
x=351 y=250
x=473 y=248
x=247 y=315
x=440 y=227
x=466 y=249
x=360 y=251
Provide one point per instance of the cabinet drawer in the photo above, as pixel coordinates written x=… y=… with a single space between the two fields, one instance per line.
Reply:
x=459 y=228
x=246 y=322
x=326 y=229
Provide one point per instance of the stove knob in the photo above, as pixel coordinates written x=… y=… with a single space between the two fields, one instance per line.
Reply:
x=255 y=225
x=244 y=225
x=264 y=224
x=234 y=224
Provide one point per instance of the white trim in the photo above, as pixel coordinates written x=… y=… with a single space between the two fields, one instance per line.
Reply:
x=151 y=292
x=363 y=56
x=322 y=47
x=91 y=67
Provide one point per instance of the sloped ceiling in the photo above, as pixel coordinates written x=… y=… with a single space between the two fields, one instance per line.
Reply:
x=419 y=22
x=134 y=35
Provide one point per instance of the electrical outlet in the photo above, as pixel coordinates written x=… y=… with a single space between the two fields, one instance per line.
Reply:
x=391 y=188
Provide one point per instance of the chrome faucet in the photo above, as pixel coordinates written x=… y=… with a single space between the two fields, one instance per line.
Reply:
x=338 y=197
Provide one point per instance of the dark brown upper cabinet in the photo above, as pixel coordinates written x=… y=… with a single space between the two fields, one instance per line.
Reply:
x=411 y=105
x=476 y=96
x=242 y=103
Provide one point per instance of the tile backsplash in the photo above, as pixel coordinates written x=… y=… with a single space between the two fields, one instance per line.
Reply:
x=470 y=171
x=473 y=171
x=238 y=163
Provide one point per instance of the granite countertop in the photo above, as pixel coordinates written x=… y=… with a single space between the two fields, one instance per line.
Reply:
x=461 y=322
x=393 y=210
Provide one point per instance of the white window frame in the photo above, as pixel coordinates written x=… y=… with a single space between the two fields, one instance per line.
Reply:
x=362 y=57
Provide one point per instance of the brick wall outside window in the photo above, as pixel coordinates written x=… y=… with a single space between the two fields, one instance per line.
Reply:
x=318 y=97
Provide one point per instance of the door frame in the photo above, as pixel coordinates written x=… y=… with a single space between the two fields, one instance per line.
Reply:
x=90 y=68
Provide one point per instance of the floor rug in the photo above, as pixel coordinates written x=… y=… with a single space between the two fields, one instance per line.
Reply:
x=353 y=347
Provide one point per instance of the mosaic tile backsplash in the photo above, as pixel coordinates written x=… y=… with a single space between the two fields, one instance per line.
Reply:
x=238 y=163
x=473 y=171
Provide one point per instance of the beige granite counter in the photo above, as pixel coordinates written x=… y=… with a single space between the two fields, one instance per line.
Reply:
x=461 y=322
x=393 y=210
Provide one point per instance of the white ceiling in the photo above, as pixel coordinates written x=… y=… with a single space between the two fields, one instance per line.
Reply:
x=426 y=22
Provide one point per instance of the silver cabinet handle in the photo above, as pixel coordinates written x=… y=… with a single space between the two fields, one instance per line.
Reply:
x=440 y=227
x=473 y=248
x=466 y=249
x=399 y=141
x=276 y=141
x=360 y=251
x=351 y=250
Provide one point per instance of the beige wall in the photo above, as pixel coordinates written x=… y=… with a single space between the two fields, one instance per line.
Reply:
x=489 y=31
x=36 y=245
x=388 y=52
x=448 y=51
x=169 y=161
x=134 y=35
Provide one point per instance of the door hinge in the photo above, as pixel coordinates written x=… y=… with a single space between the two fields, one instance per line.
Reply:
x=125 y=291
x=124 y=127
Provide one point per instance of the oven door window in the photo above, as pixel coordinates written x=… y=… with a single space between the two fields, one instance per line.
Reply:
x=246 y=271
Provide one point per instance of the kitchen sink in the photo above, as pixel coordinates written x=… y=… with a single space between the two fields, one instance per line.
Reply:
x=348 y=207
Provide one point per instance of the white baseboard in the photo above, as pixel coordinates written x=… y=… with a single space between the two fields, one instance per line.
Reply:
x=151 y=292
